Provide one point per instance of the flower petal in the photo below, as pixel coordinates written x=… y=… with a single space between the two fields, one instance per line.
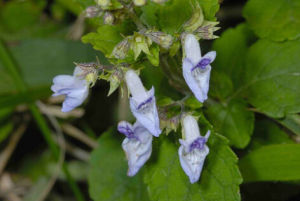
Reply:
x=192 y=49
x=192 y=162
x=75 y=88
x=74 y=98
x=148 y=115
x=137 y=151
x=210 y=55
x=197 y=81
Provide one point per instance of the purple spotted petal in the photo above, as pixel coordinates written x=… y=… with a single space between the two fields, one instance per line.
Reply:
x=127 y=129
x=196 y=69
x=197 y=144
x=137 y=151
x=197 y=80
x=192 y=162
x=146 y=113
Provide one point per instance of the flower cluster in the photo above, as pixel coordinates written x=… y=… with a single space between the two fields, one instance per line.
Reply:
x=138 y=142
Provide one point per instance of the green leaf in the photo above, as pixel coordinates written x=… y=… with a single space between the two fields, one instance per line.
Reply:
x=292 y=122
x=221 y=85
x=165 y=16
x=272 y=163
x=277 y=20
x=106 y=37
x=107 y=177
x=272 y=78
x=266 y=133
x=233 y=120
x=220 y=177
x=231 y=48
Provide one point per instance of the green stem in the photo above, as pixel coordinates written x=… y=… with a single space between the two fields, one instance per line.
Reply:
x=7 y=61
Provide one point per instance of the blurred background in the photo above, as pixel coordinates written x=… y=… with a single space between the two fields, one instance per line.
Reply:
x=38 y=40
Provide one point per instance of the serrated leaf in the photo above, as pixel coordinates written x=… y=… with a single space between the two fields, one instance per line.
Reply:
x=233 y=120
x=277 y=20
x=166 y=18
x=105 y=39
x=272 y=77
x=220 y=177
x=107 y=177
x=272 y=163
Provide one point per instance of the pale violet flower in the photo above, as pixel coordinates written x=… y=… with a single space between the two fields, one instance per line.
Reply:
x=196 y=69
x=142 y=103
x=137 y=145
x=193 y=149
x=75 y=88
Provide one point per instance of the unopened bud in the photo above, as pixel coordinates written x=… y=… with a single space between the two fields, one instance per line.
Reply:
x=115 y=80
x=195 y=21
x=92 y=11
x=206 y=31
x=121 y=49
x=161 y=38
x=139 y=2
x=140 y=44
x=108 y=18
x=91 y=78
x=103 y=3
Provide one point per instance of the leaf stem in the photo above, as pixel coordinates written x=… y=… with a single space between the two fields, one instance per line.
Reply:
x=8 y=62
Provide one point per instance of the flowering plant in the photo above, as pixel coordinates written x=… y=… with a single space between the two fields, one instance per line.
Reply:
x=194 y=109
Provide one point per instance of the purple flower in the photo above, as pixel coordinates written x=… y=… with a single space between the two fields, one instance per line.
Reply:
x=137 y=145
x=196 y=69
x=193 y=149
x=75 y=88
x=143 y=103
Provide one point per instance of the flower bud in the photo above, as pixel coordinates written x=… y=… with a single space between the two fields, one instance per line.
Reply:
x=92 y=11
x=108 y=18
x=121 y=49
x=135 y=85
x=195 y=21
x=115 y=80
x=139 y=2
x=161 y=38
x=140 y=44
x=206 y=31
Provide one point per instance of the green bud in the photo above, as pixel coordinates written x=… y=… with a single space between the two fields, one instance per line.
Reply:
x=139 y=2
x=161 y=38
x=206 y=31
x=195 y=21
x=140 y=43
x=103 y=3
x=108 y=18
x=121 y=49
x=91 y=78
x=115 y=80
